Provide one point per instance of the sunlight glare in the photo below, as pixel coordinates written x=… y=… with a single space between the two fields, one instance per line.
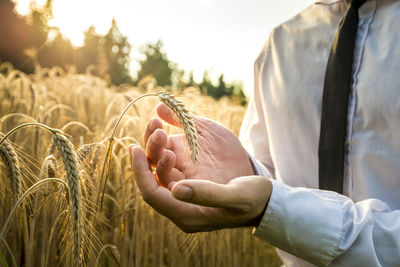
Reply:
x=22 y=6
x=73 y=17
x=221 y=36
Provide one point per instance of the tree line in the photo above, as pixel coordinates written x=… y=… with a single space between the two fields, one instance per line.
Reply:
x=29 y=41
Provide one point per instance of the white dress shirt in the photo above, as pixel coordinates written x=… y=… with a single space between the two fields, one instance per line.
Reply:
x=281 y=132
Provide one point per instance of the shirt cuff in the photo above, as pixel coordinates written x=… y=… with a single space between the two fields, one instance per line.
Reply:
x=304 y=222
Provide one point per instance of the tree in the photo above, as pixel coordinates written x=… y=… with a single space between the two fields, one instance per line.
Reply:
x=39 y=20
x=20 y=34
x=156 y=64
x=90 y=51
x=206 y=86
x=30 y=39
x=233 y=91
x=57 y=52
x=191 y=81
x=117 y=50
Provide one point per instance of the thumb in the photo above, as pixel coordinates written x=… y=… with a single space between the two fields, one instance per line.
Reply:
x=240 y=194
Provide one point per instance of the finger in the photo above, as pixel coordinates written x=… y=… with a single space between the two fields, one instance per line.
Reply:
x=167 y=115
x=240 y=195
x=155 y=145
x=166 y=171
x=158 y=197
x=203 y=192
x=153 y=125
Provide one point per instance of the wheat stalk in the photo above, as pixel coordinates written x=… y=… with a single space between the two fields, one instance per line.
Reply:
x=23 y=196
x=18 y=203
x=69 y=158
x=10 y=158
x=185 y=120
x=52 y=233
x=94 y=160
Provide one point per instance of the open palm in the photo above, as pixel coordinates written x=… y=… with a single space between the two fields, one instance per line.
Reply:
x=215 y=192
x=221 y=156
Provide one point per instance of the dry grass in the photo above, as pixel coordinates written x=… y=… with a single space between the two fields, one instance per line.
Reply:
x=62 y=174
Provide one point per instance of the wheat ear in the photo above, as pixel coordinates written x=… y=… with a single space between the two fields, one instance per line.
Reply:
x=49 y=170
x=51 y=166
x=69 y=157
x=10 y=158
x=85 y=150
x=185 y=120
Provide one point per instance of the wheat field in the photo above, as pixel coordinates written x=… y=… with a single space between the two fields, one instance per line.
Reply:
x=57 y=165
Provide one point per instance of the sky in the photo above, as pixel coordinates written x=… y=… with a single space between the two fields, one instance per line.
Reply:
x=221 y=36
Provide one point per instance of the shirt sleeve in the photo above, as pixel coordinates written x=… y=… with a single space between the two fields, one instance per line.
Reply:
x=326 y=228
x=321 y=227
x=253 y=131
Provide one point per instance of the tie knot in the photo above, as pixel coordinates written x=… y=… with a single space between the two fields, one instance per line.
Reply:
x=357 y=3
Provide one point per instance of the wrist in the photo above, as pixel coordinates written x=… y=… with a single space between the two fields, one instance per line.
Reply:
x=255 y=221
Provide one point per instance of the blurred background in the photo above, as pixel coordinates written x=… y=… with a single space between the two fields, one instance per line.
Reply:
x=124 y=49
x=211 y=44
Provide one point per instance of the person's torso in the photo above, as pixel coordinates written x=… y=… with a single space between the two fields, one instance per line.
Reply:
x=292 y=68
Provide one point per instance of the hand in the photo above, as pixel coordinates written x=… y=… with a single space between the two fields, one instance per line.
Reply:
x=214 y=200
x=221 y=155
x=203 y=205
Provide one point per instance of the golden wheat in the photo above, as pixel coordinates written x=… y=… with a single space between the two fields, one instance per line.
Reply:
x=49 y=170
x=185 y=120
x=10 y=158
x=69 y=158
x=53 y=224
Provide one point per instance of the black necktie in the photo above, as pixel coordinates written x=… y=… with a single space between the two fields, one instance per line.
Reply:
x=335 y=102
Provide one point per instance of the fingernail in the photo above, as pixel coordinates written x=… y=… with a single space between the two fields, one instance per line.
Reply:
x=131 y=146
x=182 y=192
x=170 y=185
x=152 y=124
x=156 y=138
x=164 y=159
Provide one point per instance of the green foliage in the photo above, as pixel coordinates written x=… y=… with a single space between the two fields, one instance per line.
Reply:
x=191 y=81
x=110 y=54
x=156 y=64
x=233 y=91
x=117 y=50
x=34 y=42
x=3 y=260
